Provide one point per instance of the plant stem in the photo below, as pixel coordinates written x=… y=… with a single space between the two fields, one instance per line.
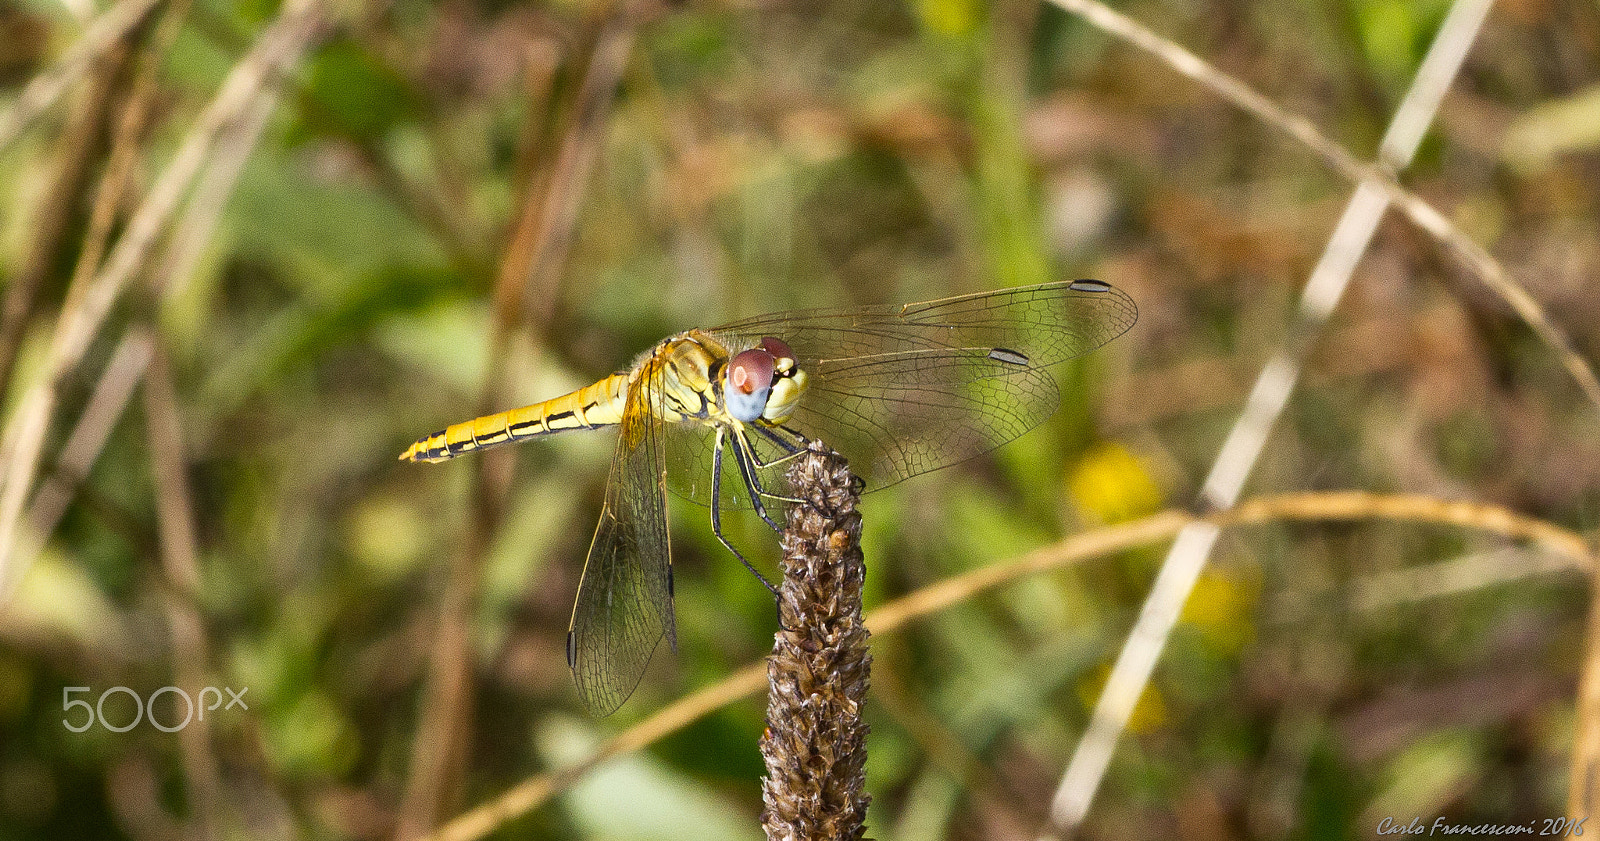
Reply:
x=815 y=742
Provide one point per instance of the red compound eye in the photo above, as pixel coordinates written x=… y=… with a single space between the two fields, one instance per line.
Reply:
x=750 y=371
x=777 y=348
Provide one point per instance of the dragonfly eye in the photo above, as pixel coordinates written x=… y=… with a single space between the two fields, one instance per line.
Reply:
x=751 y=371
x=782 y=356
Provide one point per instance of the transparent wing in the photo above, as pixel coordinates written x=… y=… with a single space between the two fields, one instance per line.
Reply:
x=905 y=414
x=624 y=604
x=901 y=391
x=690 y=467
x=1048 y=323
x=894 y=417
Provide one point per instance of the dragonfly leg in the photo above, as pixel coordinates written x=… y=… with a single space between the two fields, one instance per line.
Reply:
x=795 y=448
x=790 y=447
x=746 y=458
x=743 y=457
x=716 y=511
x=791 y=452
x=799 y=439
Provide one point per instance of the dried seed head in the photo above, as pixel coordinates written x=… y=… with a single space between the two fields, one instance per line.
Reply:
x=815 y=743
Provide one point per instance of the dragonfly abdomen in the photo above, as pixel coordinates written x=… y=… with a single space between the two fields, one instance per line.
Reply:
x=587 y=408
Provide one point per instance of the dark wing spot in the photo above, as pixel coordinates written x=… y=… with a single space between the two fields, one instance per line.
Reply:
x=1008 y=356
x=1089 y=286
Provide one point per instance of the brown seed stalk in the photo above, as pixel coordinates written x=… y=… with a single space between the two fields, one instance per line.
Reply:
x=815 y=742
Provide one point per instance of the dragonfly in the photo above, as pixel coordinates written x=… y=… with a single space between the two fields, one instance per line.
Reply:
x=898 y=390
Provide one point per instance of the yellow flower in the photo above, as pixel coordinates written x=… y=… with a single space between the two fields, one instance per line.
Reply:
x=1111 y=484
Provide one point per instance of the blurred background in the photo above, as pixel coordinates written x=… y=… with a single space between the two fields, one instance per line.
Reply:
x=251 y=251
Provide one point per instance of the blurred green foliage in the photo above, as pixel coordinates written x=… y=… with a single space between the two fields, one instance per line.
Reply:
x=765 y=157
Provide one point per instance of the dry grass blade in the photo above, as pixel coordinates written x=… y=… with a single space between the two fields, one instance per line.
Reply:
x=48 y=86
x=430 y=212
x=106 y=404
x=529 y=271
x=211 y=193
x=547 y=250
x=1247 y=439
x=180 y=564
x=1303 y=507
x=277 y=49
x=87 y=308
x=1583 y=787
x=78 y=147
x=538 y=789
x=1477 y=260
x=1475 y=571
x=128 y=362
x=115 y=183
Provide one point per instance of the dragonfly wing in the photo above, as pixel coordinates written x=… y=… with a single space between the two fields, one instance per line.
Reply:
x=1047 y=323
x=690 y=462
x=900 y=415
x=624 y=604
x=905 y=390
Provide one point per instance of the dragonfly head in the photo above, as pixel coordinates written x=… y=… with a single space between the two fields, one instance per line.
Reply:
x=763 y=382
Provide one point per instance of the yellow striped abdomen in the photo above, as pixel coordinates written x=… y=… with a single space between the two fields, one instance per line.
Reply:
x=589 y=407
